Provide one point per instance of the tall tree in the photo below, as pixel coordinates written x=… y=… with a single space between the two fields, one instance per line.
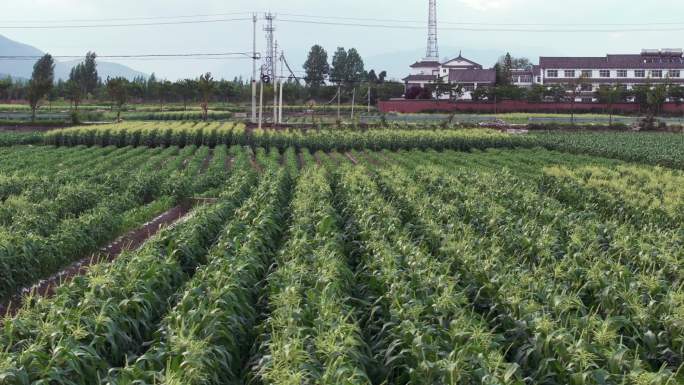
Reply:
x=372 y=77
x=354 y=67
x=520 y=63
x=117 y=88
x=316 y=67
x=227 y=90
x=42 y=81
x=5 y=85
x=164 y=90
x=382 y=76
x=186 y=89
x=75 y=89
x=89 y=77
x=207 y=87
x=574 y=90
x=506 y=68
x=610 y=95
x=339 y=73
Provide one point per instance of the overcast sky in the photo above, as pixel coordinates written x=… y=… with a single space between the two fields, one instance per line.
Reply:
x=377 y=45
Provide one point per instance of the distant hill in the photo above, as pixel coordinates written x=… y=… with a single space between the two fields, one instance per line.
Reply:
x=23 y=68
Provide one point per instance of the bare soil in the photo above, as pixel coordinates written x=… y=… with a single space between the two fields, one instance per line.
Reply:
x=130 y=241
x=255 y=164
x=206 y=162
x=228 y=165
x=351 y=158
x=300 y=161
x=317 y=158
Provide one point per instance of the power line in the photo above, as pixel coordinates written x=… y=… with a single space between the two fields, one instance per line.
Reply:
x=316 y=17
x=124 y=25
x=422 y=22
x=133 y=56
x=147 y=57
x=127 y=18
x=466 y=29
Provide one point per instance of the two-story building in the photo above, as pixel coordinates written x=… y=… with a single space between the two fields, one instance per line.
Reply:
x=458 y=71
x=590 y=73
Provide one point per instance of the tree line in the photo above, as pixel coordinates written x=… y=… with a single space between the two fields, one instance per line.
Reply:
x=322 y=83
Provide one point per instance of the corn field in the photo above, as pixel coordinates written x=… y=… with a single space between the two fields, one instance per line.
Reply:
x=313 y=262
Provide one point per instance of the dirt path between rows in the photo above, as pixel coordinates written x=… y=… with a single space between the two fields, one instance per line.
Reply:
x=129 y=241
x=255 y=164
x=300 y=161
x=317 y=158
x=351 y=158
x=206 y=162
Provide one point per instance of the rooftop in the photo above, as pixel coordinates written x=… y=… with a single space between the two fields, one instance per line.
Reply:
x=472 y=76
x=629 y=61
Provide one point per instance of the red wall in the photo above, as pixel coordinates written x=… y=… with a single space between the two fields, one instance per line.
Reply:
x=416 y=106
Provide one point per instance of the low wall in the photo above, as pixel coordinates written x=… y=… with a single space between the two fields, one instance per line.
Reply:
x=417 y=106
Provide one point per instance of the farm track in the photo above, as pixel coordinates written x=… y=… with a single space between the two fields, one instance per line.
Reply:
x=228 y=164
x=206 y=162
x=129 y=241
x=351 y=158
x=255 y=165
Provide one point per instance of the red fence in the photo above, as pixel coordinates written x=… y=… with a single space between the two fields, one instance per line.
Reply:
x=417 y=106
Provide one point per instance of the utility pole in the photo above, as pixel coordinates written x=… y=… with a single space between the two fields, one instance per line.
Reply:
x=269 y=64
x=339 y=93
x=369 y=97
x=254 y=68
x=261 y=100
x=280 y=105
x=353 y=102
x=275 y=84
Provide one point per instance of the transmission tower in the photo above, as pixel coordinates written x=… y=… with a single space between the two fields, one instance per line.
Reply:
x=432 y=52
x=269 y=57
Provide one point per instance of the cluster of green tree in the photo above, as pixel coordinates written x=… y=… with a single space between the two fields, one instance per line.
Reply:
x=346 y=77
x=346 y=73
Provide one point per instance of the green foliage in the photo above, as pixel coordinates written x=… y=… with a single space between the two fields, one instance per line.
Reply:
x=316 y=66
x=41 y=82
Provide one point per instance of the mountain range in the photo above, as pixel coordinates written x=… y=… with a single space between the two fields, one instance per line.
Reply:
x=22 y=68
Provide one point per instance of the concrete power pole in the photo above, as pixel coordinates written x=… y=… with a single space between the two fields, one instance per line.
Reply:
x=254 y=69
x=280 y=102
x=432 y=51
x=275 y=84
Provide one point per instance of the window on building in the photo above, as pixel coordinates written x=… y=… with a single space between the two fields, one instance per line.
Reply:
x=604 y=73
x=468 y=87
x=656 y=73
x=570 y=73
x=586 y=87
x=538 y=79
x=526 y=79
x=587 y=100
x=622 y=73
x=587 y=73
x=674 y=73
x=639 y=74
x=552 y=73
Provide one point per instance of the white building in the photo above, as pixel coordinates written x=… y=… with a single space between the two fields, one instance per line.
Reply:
x=588 y=73
x=649 y=67
x=457 y=71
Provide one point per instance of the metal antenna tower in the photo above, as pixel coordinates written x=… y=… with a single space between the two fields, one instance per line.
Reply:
x=269 y=58
x=432 y=52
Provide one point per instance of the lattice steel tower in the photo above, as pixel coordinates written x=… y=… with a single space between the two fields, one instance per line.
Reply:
x=269 y=57
x=432 y=52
